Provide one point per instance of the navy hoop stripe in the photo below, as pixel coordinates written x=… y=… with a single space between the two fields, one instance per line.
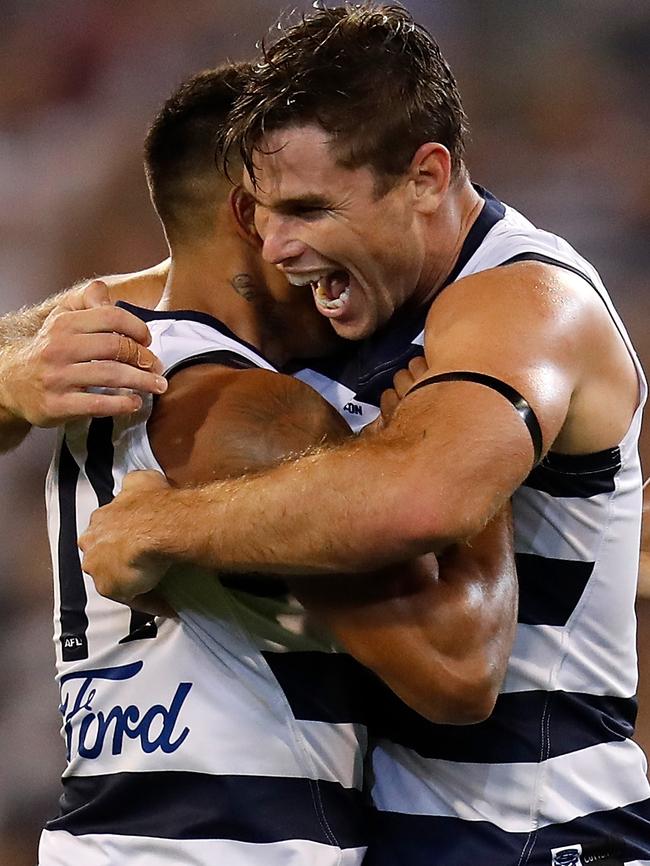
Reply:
x=399 y=838
x=185 y=805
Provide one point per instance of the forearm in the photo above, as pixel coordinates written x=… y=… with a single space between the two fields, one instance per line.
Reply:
x=411 y=629
x=26 y=321
x=13 y=430
x=414 y=488
x=342 y=509
x=15 y=329
x=438 y=634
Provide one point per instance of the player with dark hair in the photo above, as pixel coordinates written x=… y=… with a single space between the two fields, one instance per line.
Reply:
x=533 y=391
x=214 y=733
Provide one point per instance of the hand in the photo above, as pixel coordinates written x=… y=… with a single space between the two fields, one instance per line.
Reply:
x=120 y=545
x=84 y=343
x=403 y=381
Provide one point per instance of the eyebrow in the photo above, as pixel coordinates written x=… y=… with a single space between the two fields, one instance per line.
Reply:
x=289 y=205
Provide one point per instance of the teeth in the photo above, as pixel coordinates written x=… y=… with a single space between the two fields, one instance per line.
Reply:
x=300 y=279
x=334 y=303
x=318 y=282
x=307 y=279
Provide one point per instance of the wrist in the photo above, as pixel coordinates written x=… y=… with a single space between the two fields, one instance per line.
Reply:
x=186 y=534
x=12 y=367
x=13 y=424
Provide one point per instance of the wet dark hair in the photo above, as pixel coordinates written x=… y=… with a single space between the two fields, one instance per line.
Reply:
x=368 y=75
x=179 y=150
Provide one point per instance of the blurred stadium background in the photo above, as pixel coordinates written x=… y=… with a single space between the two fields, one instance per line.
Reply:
x=557 y=95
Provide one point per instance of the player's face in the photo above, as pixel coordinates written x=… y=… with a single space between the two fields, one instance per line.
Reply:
x=324 y=226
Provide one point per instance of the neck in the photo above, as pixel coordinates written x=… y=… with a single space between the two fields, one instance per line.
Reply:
x=448 y=230
x=228 y=281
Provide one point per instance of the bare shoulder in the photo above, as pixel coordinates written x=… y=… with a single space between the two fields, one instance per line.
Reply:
x=142 y=288
x=527 y=297
x=216 y=422
x=545 y=331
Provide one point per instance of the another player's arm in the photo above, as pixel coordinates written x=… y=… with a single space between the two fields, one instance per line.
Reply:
x=439 y=634
x=448 y=460
x=439 y=639
x=45 y=352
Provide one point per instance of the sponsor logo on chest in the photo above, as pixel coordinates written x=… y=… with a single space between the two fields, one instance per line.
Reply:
x=94 y=725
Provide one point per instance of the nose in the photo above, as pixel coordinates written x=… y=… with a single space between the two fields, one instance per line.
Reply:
x=280 y=245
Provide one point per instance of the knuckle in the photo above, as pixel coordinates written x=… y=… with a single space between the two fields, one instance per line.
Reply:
x=113 y=345
x=50 y=406
x=122 y=321
x=97 y=404
x=60 y=321
x=52 y=380
x=53 y=349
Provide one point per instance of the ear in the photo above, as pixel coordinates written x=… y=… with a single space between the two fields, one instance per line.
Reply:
x=242 y=205
x=430 y=172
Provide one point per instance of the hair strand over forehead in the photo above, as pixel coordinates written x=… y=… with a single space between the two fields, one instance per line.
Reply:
x=368 y=74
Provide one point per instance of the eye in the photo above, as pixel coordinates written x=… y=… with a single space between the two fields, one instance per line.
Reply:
x=313 y=213
x=309 y=213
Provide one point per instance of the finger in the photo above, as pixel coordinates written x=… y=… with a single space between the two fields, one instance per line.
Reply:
x=91 y=294
x=402 y=381
x=113 y=347
x=418 y=366
x=111 y=374
x=144 y=479
x=96 y=294
x=85 y=405
x=388 y=403
x=104 y=319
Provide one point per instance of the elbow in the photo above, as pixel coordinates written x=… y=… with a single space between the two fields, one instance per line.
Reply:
x=455 y=700
x=429 y=523
x=474 y=705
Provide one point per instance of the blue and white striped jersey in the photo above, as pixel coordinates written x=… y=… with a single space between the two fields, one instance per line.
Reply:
x=554 y=767
x=199 y=740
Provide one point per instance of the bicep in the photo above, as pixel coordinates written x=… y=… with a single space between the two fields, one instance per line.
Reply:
x=469 y=445
x=519 y=324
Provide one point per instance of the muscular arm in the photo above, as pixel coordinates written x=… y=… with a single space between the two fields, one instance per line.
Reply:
x=447 y=461
x=440 y=638
x=43 y=354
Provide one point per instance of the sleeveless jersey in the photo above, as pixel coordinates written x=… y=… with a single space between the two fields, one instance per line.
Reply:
x=184 y=741
x=553 y=775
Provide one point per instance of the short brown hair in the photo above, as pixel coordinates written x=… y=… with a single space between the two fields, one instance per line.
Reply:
x=179 y=150
x=368 y=75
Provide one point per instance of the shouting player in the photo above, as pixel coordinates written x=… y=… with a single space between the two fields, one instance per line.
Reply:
x=352 y=131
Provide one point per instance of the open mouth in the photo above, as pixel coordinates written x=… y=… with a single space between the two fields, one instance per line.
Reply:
x=332 y=290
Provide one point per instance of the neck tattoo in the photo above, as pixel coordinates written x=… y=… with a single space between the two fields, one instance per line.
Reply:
x=245 y=286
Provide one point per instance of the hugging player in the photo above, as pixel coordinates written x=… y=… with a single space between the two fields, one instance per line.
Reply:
x=533 y=391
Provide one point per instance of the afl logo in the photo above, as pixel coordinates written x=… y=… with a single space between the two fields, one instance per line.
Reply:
x=567 y=856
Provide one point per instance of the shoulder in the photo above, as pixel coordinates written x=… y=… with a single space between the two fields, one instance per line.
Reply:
x=534 y=290
x=215 y=421
x=142 y=288
x=529 y=311
x=547 y=333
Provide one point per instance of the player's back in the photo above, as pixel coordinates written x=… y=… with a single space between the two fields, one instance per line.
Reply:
x=190 y=739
